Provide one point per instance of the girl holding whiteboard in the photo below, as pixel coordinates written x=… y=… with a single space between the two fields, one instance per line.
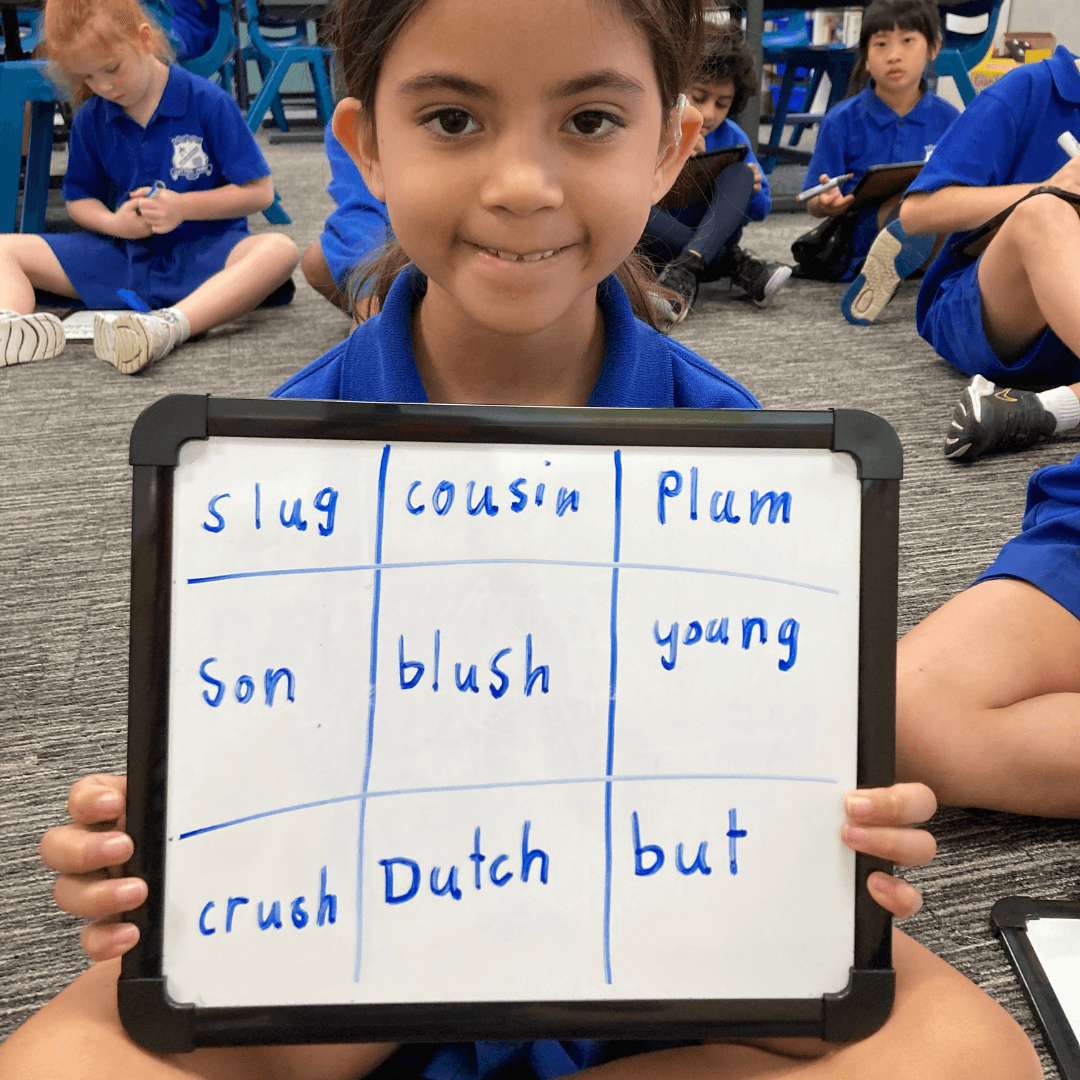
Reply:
x=518 y=147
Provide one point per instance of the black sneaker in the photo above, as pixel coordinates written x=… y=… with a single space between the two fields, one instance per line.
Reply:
x=990 y=419
x=756 y=277
x=682 y=275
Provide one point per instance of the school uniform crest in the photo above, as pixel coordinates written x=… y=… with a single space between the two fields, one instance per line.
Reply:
x=189 y=159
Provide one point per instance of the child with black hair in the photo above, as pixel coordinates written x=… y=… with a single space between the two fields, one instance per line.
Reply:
x=701 y=242
x=894 y=119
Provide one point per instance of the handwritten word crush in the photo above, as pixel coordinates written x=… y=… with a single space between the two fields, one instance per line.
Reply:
x=508 y=722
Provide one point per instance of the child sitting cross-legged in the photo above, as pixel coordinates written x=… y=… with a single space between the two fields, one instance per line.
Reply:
x=700 y=242
x=162 y=172
x=1009 y=316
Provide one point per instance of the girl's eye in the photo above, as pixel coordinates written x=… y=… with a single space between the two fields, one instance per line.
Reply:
x=594 y=124
x=450 y=123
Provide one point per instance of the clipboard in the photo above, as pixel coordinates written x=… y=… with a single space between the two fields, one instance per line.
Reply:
x=694 y=185
x=216 y=480
x=972 y=244
x=879 y=182
x=1010 y=919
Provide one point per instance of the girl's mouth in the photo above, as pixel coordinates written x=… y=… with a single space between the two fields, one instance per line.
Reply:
x=513 y=256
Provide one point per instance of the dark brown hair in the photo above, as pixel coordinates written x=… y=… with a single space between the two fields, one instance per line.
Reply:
x=104 y=25
x=881 y=16
x=727 y=59
x=365 y=30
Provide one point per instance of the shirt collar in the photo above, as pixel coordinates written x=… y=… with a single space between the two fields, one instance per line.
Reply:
x=173 y=103
x=636 y=371
x=883 y=114
x=1065 y=75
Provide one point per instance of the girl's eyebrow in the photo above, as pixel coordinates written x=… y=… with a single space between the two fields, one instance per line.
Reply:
x=580 y=84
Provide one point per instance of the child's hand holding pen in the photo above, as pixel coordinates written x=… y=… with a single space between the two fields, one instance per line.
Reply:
x=1068 y=176
x=158 y=206
x=830 y=203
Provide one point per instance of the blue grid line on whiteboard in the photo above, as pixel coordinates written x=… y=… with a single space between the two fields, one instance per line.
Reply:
x=613 y=680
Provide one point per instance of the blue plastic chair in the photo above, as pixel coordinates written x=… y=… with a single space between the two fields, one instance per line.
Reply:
x=221 y=51
x=275 y=56
x=23 y=81
x=963 y=51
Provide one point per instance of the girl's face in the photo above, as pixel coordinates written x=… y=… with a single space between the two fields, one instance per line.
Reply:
x=123 y=75
x=713 y=100
x=519 y=148
x=897 y=58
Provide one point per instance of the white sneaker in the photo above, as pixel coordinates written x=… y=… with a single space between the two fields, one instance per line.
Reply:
x=133 y=341
x=23 y=338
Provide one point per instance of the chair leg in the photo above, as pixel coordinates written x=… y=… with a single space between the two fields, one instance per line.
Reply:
x=38 y=161
x=783 y=106
x=275 y=213
x=808 y=104
x=324 y=98
x=267 y=96
x=277 y=110
x=11 y=125
x=949 y=63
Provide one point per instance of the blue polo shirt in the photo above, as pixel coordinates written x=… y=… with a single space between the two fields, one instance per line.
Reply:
x=642 y=369
x=360 y=222
x=196 y=140
x=730 y=134
x=864 y=131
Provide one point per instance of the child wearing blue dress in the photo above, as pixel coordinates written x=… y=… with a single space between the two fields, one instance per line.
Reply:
x=700 y=242
x=895 y=118
x=518 y=157
x=162 y=171
x=1009 y=316
x=356 y=228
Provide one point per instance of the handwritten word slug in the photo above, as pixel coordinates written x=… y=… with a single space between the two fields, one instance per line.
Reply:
x=288 y=517
x=410 y=672
x=755 y=630
x=720 y=505
x=403 y=876
x=649 y=859
x=244 y=690
x=442 y=498
x=268 y=917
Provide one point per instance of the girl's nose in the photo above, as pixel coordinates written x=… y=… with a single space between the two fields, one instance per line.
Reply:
x=522 y=178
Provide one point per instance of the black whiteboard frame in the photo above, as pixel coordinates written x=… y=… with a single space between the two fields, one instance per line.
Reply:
x=1008 y=919
x=162 y=1025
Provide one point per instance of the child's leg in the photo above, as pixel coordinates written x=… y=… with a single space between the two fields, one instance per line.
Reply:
x=988 y=701
x=941 y=1025
x=254 y=268
x=27 y=261
x=78 y=1036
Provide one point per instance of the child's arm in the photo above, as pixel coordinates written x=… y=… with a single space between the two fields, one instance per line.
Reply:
x=94 y=215
x=168 y=208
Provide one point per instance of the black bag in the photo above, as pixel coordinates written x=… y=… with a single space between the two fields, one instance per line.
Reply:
x=824 y=253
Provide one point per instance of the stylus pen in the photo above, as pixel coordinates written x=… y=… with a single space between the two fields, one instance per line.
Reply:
x=836 y=181
x=1067 y=142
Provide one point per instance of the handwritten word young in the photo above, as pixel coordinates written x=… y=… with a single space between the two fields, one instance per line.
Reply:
x=325 y=502
x=716 y=630
x=441 y=498
x=670 y=486
x=244 y=690
x=654 y=853
x=268 y=917
x=403 y=887
x=410 y=672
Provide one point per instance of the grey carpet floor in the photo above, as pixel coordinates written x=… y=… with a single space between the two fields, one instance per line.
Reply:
x=64 y=538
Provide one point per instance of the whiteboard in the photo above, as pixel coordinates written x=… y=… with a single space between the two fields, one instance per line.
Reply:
x=498 y=722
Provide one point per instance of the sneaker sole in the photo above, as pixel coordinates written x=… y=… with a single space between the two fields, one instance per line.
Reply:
x=122 y=342
x=775 y=283
x=29 y=338
x=888 y=263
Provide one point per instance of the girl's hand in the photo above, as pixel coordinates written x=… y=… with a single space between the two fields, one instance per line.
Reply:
x=1068 y=176
x=757 y=177
x=876 y=820
x=162 y=213
x=88 y=856
x=127 y=225
x=829 y=203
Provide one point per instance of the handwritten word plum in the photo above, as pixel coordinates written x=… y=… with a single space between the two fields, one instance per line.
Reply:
x=721 y=504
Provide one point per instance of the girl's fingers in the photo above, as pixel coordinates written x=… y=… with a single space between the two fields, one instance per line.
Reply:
x=91 y=897
x=97 y=798
x=901 y=804
x=894 y=895
x=75 y=849
x=909 y=847
x=104 y=941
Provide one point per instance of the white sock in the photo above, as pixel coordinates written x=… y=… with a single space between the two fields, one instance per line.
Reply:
x=1063 y=405
x=182 y=328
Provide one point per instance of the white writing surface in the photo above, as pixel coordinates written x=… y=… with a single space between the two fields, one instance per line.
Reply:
x=455 y=722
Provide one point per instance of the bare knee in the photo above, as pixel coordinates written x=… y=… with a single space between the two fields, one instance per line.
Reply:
x=280 y=248
x=1041 y=219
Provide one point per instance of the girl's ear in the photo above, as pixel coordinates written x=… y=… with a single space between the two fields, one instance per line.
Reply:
x=354 y=132
x=933 y=50
x=673 y=157
x=145 y=36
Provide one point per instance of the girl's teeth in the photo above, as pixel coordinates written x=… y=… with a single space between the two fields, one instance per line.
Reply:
x=533 y=258
x=509 y=256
